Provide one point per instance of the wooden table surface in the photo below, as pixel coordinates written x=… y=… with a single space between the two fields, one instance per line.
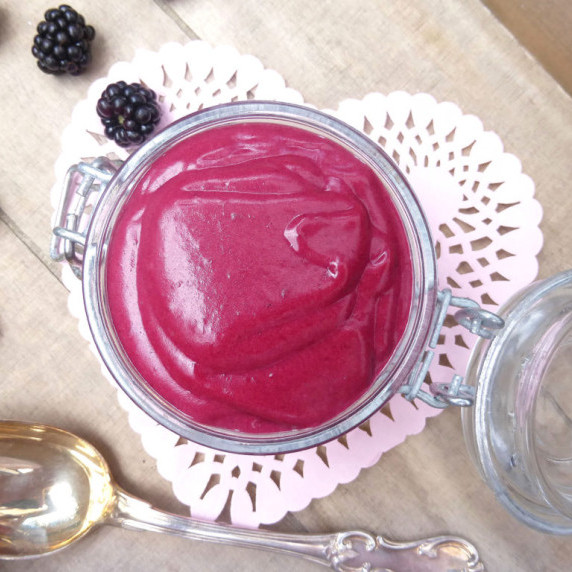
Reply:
x=329 y=50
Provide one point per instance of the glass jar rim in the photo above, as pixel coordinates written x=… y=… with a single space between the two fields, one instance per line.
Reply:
x=423 y=260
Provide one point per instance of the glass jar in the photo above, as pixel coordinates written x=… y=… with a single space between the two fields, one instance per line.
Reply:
x=519 y=433
x=84 y=241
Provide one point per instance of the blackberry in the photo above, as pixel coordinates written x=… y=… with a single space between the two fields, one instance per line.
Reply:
x=129 y=112
x=62 y=44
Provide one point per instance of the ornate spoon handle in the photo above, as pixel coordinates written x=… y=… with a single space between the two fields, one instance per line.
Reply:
x=352 y=551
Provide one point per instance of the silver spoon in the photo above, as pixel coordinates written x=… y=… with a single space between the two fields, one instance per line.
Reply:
x=55 y=487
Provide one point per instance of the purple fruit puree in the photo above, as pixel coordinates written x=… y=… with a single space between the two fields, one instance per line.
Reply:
x=259 y=277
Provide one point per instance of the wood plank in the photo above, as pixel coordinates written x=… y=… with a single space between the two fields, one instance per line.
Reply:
x=40 y=106
x=543 y=28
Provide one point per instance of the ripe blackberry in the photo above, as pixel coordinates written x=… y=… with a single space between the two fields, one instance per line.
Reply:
x=62 y=44
x=128 y=112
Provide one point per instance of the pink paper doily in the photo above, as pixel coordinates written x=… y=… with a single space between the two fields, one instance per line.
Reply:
x=482 y=213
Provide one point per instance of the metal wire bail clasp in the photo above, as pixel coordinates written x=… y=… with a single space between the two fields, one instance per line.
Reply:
x=68 y=237
x=472 y=317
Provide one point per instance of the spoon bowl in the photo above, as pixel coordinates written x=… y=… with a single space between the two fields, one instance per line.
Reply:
x=55 y=487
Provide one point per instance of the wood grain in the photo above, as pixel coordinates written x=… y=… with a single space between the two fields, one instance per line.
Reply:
x=329 y=51
x=543 y=28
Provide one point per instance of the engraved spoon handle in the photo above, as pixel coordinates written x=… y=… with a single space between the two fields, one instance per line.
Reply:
x=342 y=551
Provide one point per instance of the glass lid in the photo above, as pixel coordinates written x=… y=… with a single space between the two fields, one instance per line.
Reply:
x=519 y=432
